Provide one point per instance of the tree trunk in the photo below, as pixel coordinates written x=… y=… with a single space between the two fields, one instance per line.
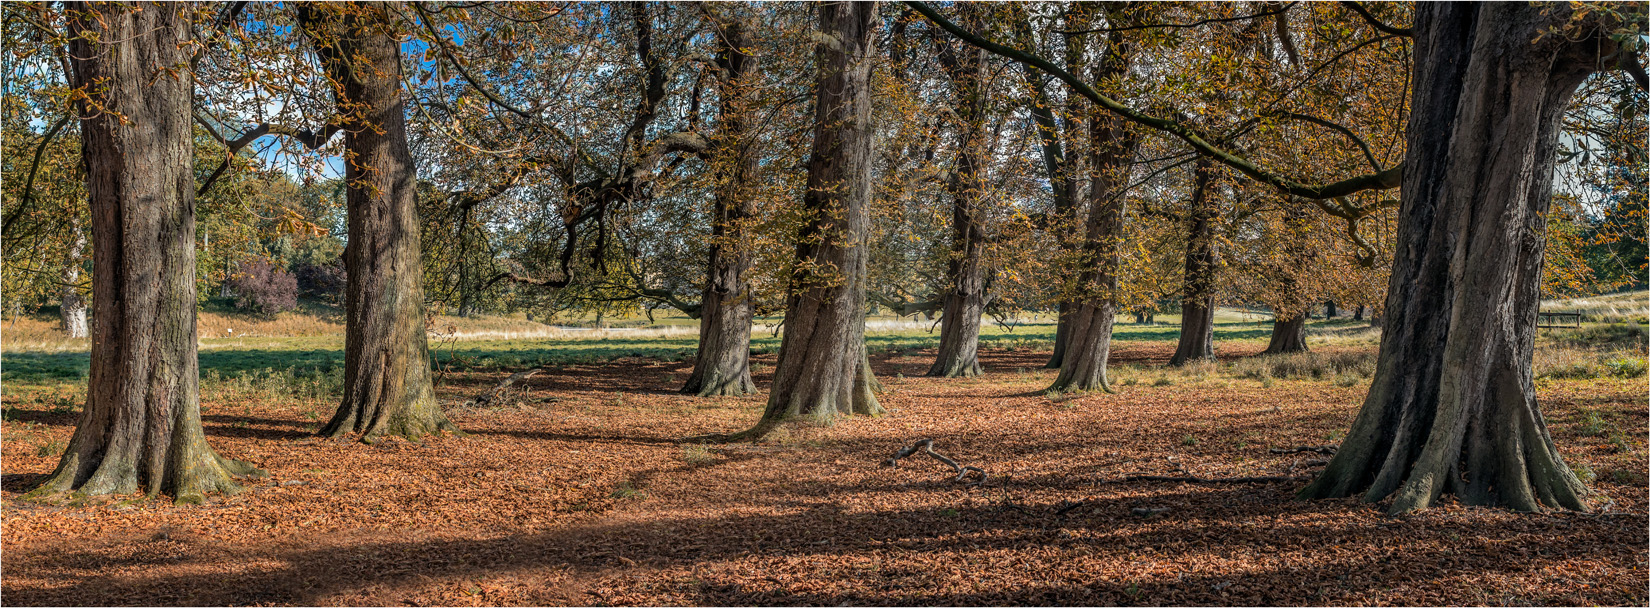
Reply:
x=1111 y=149
x=1288 y=335
x=723 y=364
x=1452 y=406
x=823 y=371
x=965 y=296
x=141 y=426
x=73 y=304
x=1329 y=310
x=387 y=388
x=1358 y=313
x=1197 y=305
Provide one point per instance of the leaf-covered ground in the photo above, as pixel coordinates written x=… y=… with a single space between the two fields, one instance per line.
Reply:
x=576 y=492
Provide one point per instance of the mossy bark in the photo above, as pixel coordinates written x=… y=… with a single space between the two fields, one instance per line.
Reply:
x=387 y=380
x=823 y=371
x=141 y=426
x=1452 y=406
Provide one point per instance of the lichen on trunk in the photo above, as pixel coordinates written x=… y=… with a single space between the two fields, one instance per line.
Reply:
x=141 y=426
x=1452 y=406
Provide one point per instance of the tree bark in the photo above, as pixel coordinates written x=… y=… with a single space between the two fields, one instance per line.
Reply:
x=1329 y=310
x=1197 y=304
x=1288 y=335
x=1111 y=148
x=965 y=297
x=1452 y=406
x=73 y=306
x=723 y=363
x=1358 y=313
x=823 y=371
x=141 y=425
x=387 y=383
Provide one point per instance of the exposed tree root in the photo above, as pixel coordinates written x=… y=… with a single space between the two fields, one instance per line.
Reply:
x=927 y=445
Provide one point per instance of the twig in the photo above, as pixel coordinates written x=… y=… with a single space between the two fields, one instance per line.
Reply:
x=928 y=446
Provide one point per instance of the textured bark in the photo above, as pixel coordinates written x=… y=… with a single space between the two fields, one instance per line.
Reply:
x=1288 y=335
x=73 y=304
x=1111 y=149
x=723 y=363
x=387 y=384
x=823 y=371
x=1452 y=406
x=965 y=271
x=141 y=426
x=1197 y=304
x=1062 y=159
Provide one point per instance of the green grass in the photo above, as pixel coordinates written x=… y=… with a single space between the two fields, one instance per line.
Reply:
x=304 y=359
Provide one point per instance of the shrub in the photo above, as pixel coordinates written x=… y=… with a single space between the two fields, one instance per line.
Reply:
x=264 y=288
x=324 y=282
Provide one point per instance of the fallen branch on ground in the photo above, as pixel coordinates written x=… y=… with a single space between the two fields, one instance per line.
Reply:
x=485 y=400
x=1190 y=479
x=928 y=446
x=1321 y=449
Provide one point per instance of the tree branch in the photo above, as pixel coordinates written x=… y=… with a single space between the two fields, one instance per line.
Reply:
x=1358 y=7
x=1383 y=180
x=34 y=169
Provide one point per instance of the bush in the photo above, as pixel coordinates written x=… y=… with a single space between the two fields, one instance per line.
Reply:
x=324 y=282
x=263 y=288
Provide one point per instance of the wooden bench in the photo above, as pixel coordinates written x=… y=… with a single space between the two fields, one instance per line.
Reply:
x=1558 y=319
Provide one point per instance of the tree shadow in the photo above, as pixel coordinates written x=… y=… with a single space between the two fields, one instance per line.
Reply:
x=587 y=562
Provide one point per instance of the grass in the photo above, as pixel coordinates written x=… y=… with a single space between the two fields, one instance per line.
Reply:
x=1632 y=307
x=1316 y=365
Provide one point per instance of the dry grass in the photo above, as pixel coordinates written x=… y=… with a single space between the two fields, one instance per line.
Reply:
x=1625 y=307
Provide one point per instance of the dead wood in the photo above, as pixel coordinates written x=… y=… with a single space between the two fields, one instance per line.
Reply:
x=927 y=445
x=1321 y=449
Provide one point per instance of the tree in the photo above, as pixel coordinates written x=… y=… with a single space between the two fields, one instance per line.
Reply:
x=1452 y=406
x=965 y=296
x=1197 y=299
x=823 y=371
x=387 y=388
x=141 y=425
x=722 y=366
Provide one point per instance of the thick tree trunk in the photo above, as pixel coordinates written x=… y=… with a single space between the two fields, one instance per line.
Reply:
x=141 y=426
x=823 y=371
x=1329 y=310
x=73 y=306
x=1288 y=335
x=965 y=296
x=1111 y=149
x=723 y=364
x=1197 y=305
x=1358 y=313
x=387 y=389
x=1062 y=335
x=1452 y=406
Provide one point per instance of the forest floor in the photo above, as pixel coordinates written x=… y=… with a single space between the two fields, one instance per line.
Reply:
x=575 y=490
